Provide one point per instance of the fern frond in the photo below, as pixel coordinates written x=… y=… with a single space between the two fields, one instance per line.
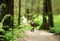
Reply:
x=5 y=17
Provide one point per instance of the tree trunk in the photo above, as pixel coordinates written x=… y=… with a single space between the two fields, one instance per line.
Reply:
x=8 y=10
x=19 y=12
x=44 y=24
x=47 y=12
x=50 y=15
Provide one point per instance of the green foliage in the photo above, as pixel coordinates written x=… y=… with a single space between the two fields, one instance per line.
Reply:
x=38 y=21
x=2 y=7
x=52 y=30
x=56 y=28
x=5 y=17
x=2 y=32
x=1 y=25
x=8 y=35
x=17 y=33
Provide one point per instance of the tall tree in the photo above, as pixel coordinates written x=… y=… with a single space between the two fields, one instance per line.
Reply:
x=50 y=15
x=47 y=12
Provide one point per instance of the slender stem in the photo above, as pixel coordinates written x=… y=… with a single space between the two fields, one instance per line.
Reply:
x=19 y=12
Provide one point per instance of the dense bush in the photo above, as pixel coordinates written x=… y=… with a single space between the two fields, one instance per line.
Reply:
x=38 y=21
x=16 y=34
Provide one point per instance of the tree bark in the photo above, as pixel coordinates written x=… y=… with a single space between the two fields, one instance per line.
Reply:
x=50 y=14
x=47 y=12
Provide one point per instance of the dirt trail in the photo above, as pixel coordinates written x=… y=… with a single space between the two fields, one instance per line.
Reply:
x=39 y=36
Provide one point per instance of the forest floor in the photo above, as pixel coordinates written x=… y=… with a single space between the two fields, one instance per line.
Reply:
x=39 y=35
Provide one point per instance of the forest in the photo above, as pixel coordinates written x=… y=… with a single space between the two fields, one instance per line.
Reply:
x=16 y=17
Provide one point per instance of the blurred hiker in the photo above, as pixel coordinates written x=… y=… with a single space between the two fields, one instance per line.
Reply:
x=32 y=24
x=24 y=20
